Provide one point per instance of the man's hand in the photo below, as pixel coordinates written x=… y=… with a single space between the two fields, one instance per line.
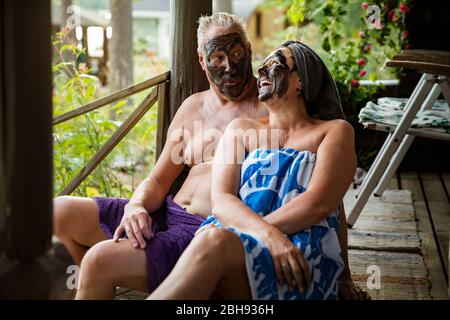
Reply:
x=137 y=225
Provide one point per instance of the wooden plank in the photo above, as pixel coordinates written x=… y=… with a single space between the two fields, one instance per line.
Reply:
x=410 y=181
x=2 y=142
x=440 y=212
x=391 y=213
x=443 y=243
x=446 y=181
x=425 y=67
x=116 y=96
x=403 y=275
x=26 y=126
x=123 y=130
x=132 y=295
x=393 y=183
x=430 y=133
x=163 y=117
x=186 y=77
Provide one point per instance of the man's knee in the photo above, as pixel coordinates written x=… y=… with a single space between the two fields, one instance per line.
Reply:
x=62 y=211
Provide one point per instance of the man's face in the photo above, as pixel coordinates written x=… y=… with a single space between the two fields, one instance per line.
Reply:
x=274 y=74
x=228 y=62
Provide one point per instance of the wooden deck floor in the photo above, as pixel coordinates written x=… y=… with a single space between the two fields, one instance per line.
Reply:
x=432 y=206
x=431 y=201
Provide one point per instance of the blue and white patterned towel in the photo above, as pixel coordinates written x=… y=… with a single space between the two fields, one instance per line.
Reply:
x=270 y=178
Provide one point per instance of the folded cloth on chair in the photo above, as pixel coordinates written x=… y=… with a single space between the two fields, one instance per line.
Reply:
x=391 y=110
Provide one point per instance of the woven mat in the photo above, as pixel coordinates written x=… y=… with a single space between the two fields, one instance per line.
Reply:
x=386 y=236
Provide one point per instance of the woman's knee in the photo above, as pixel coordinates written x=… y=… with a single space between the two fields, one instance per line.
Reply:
x=216 y=242
x=100 y=260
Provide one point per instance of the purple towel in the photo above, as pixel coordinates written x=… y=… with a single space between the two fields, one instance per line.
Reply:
x=173 y=229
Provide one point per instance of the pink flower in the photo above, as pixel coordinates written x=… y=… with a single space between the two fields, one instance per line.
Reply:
x=361 y=62
x=405 y=34
x=404 y=8
x=378 y=25
x=361 y=34
x=364 y=5
x=355 y=83
x=362 y=73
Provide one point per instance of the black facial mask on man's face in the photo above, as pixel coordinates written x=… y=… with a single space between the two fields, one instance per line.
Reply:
x=229 y=64
x=276 y=71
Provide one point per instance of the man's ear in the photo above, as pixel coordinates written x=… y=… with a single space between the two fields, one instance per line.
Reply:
x=201 y=60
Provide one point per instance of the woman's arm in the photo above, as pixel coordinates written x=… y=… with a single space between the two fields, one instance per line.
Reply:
x=226 y=205
x=333 y=173
x=288 y=260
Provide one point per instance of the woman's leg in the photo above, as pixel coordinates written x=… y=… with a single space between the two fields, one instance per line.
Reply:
x=214 y=263
x=108 y=265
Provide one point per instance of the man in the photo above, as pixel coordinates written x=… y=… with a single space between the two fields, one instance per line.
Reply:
x=158 y=229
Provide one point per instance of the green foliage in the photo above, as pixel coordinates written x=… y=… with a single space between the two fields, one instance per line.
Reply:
x=77 y=140
x=351 y=50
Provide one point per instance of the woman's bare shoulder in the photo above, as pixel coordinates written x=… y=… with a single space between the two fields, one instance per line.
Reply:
x=246 y=123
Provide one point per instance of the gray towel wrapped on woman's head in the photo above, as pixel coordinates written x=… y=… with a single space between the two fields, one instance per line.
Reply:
x=319 y=89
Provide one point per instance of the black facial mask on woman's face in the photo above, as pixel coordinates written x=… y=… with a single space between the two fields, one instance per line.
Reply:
x=276 y=71
x=229 y=64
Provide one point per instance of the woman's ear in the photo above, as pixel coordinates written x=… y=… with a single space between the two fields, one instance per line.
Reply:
x=299 y=88
x=249 y=48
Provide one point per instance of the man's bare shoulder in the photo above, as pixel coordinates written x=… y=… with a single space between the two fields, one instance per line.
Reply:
x=193 y=102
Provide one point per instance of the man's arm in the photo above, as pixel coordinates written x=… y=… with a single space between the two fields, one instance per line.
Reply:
x=151 y=192
x=333 y=173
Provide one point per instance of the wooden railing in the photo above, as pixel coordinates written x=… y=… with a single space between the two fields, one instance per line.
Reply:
x=160 y=94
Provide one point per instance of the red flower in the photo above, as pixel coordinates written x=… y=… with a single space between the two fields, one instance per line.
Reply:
x=364 y=5
x=392 y=16
x=361 y=62
x=404 y=8
x=355 y=83
x=369 y=47
x=362 y=73
x=405 y=34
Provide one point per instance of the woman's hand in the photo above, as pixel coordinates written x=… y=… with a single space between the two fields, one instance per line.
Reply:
x=288 y=260
x=137 y=225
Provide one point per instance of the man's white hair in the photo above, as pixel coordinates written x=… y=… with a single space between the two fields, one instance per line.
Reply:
x=220 y=19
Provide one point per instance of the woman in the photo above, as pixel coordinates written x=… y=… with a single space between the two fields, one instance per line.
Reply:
x=273 y=230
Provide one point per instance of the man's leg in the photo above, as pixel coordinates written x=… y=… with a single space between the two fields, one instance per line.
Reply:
x=108 y=265
x=348 y=290
x=76 y=224
x=214 y=263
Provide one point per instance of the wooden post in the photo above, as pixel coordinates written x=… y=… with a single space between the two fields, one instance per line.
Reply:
x=27 y=118
x=2 y=141
x=187 y=77
x=28 y=269
x=163 y=117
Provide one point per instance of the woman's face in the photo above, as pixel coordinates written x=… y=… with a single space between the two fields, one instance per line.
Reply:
x=277 y=78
